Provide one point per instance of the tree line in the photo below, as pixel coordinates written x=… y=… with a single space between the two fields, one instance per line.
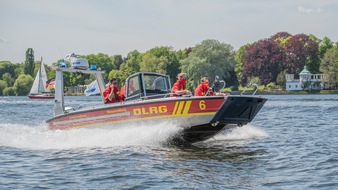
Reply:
x=265 y=61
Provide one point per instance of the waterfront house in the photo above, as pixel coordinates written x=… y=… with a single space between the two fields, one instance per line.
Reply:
x=306 y=81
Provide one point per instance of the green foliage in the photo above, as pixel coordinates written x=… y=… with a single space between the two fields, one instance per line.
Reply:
x=23 y=85
x=9 y=91
x=162 y=60
x=239 y=58
x=3 y=85
x=151 y=63
x=182 y=54
x=50 y=72
x=306 y=85
x=77 y=79
x=131 y=66
x=29 y=62
x=329 y=67
x=272 y=86
x=7 y=77
x=324 y=45
x=114 y=74
x=90 y=80
x=283 y=41
x=234 y=88
x=117 y=61
x=8 y=67
x=102 y=61
x=210 y=58
x=281 y=78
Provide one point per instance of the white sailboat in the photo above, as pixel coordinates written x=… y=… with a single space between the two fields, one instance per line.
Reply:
x=39 y=90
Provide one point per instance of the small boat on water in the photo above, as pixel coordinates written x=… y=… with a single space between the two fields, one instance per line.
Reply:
x=150 y=101
x=39 y=90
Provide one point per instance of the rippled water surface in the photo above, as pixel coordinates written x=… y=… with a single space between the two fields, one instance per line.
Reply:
x=291 y=144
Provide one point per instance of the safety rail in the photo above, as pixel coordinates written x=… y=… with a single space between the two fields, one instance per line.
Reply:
x=248 y=85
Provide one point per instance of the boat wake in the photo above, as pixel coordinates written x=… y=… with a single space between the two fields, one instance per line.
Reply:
x=41 y=138
x=242 y=133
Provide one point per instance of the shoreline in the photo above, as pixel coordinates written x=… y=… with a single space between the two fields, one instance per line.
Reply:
x=249 y=92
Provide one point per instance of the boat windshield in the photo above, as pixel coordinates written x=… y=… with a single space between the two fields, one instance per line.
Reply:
x=147 y=85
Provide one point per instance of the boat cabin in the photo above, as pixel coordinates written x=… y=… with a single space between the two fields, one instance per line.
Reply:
x=147 y=85
x=139 y=86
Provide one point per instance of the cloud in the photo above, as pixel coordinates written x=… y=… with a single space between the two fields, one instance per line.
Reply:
x=309 y=11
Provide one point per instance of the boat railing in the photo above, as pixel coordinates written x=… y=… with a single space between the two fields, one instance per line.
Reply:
x=167 y=95
x=249 y=85
x=140 y=96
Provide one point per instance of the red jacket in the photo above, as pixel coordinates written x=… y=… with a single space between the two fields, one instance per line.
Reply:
x=179 y=85
x=123 y=92
x=202 y=89
x=116 y=96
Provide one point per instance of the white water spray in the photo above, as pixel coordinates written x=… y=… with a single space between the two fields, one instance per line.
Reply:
x=242 y=133
x=40 y=138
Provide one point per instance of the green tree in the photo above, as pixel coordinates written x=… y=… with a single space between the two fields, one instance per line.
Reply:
x=9 y=91
x=281 y=78
x=209 y=58
x=23 y=84
x=3 y=85
x=182 y=54
x=239 y=58
x=329 y=67
x=162 y=60
x=102 y=61
x=131 y=66
x=8 y=67
x=151 y=63
x=8 y=78
x=117 y=60
x=29 y=62
x=50 y=72
x=324 y=44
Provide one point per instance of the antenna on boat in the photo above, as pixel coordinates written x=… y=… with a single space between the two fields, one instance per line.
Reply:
x=61 y=54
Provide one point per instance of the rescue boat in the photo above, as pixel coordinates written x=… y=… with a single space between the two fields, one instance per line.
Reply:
x=148 y=99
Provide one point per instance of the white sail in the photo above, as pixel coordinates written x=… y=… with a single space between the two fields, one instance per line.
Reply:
x=43 y=79
x=35 y=87
x=39 y=85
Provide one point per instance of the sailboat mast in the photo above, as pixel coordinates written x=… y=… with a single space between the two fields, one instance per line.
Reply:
x=40 y=78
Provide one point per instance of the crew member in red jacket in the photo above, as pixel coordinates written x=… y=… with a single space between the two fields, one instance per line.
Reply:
x=179 y=88
x=203 y=88
x=112 y=94
x=131 y=89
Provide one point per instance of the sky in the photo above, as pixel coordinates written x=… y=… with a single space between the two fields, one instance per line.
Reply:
x=55 y=28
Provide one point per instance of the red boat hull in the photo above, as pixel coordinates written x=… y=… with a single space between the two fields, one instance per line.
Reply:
x=171 y=109
x=200 y=117
x=41 y=96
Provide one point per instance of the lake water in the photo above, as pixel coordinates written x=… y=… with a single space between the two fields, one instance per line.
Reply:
x=291 y=144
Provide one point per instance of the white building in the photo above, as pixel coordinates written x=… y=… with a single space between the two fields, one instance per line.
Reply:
x=306 y=81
